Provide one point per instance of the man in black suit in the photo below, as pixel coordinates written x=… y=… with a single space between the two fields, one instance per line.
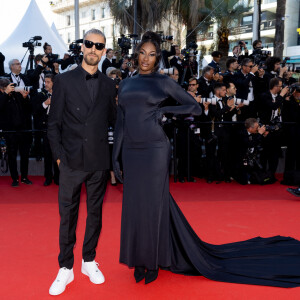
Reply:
x=18 y=113
x=41 y=103
x=176 y=61
x=82 y=106
x=109 y=61
x=247 y=81
x=271 y=106
x=216 y=57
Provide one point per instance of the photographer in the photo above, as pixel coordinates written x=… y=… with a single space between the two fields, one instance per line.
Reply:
x=249 y=169
x=16 y=111
x=41 y=108
x=247 y=81
x=270 y=113
x=216 y=57
x=223 y=111
x=176 y=61
x=273 y=69
x=232 y=67
x=237 y=51
x=291 y=113
x=165 y=54
x=124 y=66
x=109 y=61
x=207 y=82
x=51 y=63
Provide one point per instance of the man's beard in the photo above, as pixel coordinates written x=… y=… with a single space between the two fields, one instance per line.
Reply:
x=90 y=60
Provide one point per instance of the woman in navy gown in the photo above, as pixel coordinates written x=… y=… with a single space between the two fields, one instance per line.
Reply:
x=154 y=232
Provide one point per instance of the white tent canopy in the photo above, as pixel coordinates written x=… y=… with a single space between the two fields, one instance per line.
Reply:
x=53 y=27
x=32 y=24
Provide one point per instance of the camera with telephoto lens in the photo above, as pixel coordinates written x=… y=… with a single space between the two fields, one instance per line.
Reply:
x=212 y=101
x=274 y=126
x=241 y=44
x=33 y=42
x=191 y=50
x=22 y=88
x=241 y=101
x=169 y=71
x=163 y=37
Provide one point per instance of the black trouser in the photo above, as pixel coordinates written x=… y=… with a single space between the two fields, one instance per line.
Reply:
x=18 y=142
x=271 y=152
x=70 y=182
x=223 y=155
x=50 y=166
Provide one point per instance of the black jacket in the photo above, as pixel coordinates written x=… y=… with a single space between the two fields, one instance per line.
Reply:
x=15 y=111
x=77 y=127
x=267 y=106
x=39 y=112
x=215 y=65
x=204 y=90
x=107 y=64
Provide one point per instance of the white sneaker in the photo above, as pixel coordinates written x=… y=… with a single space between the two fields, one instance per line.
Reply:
x=90 y=268
x=64 y=277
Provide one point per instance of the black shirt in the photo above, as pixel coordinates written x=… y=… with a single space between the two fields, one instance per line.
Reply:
x=91 y=82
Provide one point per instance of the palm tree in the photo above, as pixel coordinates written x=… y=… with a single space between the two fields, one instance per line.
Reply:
x=225 y=13
x=151 y=13
x=279 y=31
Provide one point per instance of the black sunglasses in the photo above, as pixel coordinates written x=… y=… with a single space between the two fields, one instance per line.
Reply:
x=89 y=44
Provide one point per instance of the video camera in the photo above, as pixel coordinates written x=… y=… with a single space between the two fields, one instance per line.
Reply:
x=260 y=56
x=125 y=43
x=191 y=50
x=33 y=42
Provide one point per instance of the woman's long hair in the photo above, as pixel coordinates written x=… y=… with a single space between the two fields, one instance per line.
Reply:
x=149 y=37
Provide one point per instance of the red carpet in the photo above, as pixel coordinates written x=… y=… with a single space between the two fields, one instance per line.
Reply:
x=221 y=213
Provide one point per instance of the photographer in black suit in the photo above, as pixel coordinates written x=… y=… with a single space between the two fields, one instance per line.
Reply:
x=18 y=118
x=82 y=106
x=271 y=106
x=41 y=104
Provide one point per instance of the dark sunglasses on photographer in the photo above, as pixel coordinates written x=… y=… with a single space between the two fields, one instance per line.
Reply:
x=90 y=44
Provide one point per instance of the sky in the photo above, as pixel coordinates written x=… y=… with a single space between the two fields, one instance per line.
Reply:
x=12 y=11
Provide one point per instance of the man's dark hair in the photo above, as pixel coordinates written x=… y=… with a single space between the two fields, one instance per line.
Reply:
x=4 y=82
x=192 y=79
x=250 y=122
x=109 y=49
x=227 y=84
x=273 y=82
x=216 y=54
x=256 y=42
x=51 y=76
x=246 y=61
x=218 y=86
x=271 y=61
x=230 y=61
x=45 y=46
x=38 y=57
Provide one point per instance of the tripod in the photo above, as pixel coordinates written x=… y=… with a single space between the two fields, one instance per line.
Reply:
x=29 y=64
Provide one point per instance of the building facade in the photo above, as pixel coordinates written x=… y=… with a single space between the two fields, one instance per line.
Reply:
x=92 y=14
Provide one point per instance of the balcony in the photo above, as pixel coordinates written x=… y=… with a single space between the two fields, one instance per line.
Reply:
x=60 y=6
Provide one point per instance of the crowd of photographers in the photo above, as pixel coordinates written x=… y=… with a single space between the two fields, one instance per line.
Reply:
x=250 y=110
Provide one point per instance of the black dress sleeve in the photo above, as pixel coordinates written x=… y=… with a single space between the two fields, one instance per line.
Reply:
x=188 y=104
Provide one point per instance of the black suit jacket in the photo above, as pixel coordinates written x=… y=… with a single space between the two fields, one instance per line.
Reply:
x=39 y=112
x=267 y=106
x=77 y=127
x=107 y=64
x=204 y=90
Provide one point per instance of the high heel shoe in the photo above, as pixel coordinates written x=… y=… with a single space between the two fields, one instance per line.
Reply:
x=150 y=276
x=139 y=274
